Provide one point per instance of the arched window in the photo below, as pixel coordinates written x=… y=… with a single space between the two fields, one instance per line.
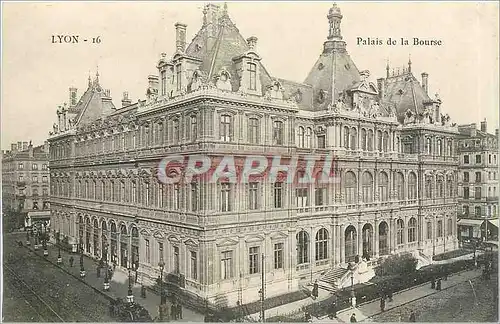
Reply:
x=412 y=230
x=386 y=142
x=302 y=247
x=399 y=185
x=383 y=186
x=440 y=147
x=398 y=144
x=428 y=146
x=354 y=138
x=367 y=187
x=440 y=186
x=400 y=230
x=449 y=182
x=350 y=186
x=346 y=137
x=321 y=244
x=449 y=147
x=301 y=136
x=379 y=141
x=363 y=139
x=412 y=186
x=308 y=142
x=351 y=242
x=369 y=140
x=428 y=186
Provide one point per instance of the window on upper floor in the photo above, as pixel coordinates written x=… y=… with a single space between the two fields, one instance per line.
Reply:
x=477 y=211
x=21 y=178
x=465 y=210
x=178 y=73
x=478 y=176
x=477 y=193
x=301 y=135
x=44 y=166
x=34 y=166
x=466 y=176
x=225 y=197
x=253 y=195
x=194 y=127
x=321 y=141
x=252 y=76
x=253 y=130
x=439 y=147
x=466 y=159
x=226 y=128
x=308 y=141
x=428 y=146
x=175 y=131
x=466 y=192
x=489 y=158
x=278 y=132
x=163 y=83
x=34 y=179
x=278 y=194
x=478 y=159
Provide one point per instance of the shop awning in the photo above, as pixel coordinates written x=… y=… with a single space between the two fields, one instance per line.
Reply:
x=494 y=222
x=470 y=222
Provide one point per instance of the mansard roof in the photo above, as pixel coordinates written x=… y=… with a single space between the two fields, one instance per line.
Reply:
x=406 y=93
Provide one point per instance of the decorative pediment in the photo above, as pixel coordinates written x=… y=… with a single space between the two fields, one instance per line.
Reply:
x=192 y=243
x=223 y=80
x=278 y=236
x=320 y=129
x=174 y=239
x=145 y=232
x=158 y=235
x=253 y=239
x=275 y=90
x=226 y=242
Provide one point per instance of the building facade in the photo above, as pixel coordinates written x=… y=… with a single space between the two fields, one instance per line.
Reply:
x=478 y=182
x=394 y=155
x=26 y=184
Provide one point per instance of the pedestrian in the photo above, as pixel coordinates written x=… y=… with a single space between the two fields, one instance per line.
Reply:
x=143 y=291
x=71 y=260
x=382 y=304
x=433 y=283
x=389 y=295
x=353 y=318
x=179 y=310
x=438 y=284
x=114 y=265
x=173 y=311
x=413 y=317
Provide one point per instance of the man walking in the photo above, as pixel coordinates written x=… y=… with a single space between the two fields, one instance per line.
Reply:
x=413 y=317
x=382 y=303
x=71 y=260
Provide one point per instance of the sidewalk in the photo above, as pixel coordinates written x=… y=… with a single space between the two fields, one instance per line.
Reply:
x=365 y=311
x=293 y=307
x=118 y=283
x=469 y=256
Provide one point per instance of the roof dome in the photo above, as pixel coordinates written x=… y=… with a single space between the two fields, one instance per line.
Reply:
x=334 y=10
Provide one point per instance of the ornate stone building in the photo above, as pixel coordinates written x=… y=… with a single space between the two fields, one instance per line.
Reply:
x=25 y=184
x=394 y=151
x=478 y=181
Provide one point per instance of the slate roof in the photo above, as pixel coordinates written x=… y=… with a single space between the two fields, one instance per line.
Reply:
x=93 y=104
x=405 y=92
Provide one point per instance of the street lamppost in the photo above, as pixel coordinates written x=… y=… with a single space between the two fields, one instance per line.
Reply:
x=130 y=294
x=58 y=239
x=44 y=239
x=105 y=256
x=28 y=243
x=82 y=268
x=350 y=267
x=161 y=264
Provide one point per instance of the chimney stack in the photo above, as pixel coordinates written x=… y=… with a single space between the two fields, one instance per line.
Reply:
x=25 y=146
x=381 y=87
x=20 y=146
x=13 y=147
x=107 y=93
x=484 y=126
x=180 y=36
x=73 y=92
x=425 y=82
x=125 y=100
x=252 y=42
x=473 y=130
x=496 y=132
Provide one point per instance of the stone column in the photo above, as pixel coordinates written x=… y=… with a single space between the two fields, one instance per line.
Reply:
x=342 y=244
x=360 y=239
x=376 y=239
x=333 y=246
x=392 y=235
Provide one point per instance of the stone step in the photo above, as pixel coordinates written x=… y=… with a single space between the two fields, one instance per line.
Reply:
x=333 y=275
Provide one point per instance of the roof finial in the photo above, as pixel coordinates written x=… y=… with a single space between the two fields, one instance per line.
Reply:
x=90 y=80
x=225 y=8
x=409 y=62
x=387 y=69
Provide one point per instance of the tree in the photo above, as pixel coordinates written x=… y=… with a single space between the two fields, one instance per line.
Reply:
x=399 y=264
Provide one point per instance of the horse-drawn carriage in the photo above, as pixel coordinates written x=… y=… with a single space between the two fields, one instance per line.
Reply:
x=128 y=312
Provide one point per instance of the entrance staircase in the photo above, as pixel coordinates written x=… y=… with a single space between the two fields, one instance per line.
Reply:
x=330 y=281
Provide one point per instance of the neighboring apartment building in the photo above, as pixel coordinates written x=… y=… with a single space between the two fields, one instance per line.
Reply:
x=25 y=184
x=478 y=182
x=394 y=151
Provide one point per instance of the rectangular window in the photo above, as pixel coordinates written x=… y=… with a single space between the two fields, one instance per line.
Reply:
x=478 y=159
x=194 y=266
x=278 y=256
x=226 y=265
x=176 y=259
x=148 y=251
x=253 y=130
x=320 y=196
x=35 y=192
x=194 y=128
x=301 y=195
x=35 y=166
x=160 y=195
x=21 y=178
x=278 y=195
x=225 y=197
x=440 y=228
x=429 y=230
x=226 y=128
x=44 y=166
x=160 y=251
x=477 y=211
x=252 y=195
x=278 y=133
x=466 y=176
x=477 y=193
x=321 y=141
x=252 y=74
x=178 y=73
x=44 y=179
x=466 y=193
x=176 y=199
x=194 y=196
x=466 y=159
x=478 y=176
x=34 y=179
x=466 y=210
x=45 y=192
x=21 y=166
x=253 y=263
x=163 y=83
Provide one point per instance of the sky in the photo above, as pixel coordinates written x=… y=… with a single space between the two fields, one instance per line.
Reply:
x=37 y=73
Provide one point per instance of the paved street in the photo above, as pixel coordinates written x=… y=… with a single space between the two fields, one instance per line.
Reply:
x=35 y=291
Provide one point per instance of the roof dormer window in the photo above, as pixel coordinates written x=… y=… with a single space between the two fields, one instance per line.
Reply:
x=252 y=74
